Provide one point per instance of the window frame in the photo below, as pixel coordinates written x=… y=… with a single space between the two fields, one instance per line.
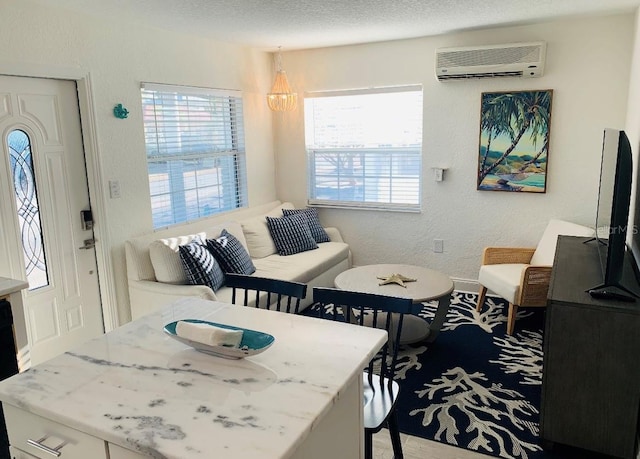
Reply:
x=398 y=153
x=233 y=152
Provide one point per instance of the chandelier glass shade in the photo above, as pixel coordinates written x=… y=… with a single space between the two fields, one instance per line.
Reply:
x=281 y=98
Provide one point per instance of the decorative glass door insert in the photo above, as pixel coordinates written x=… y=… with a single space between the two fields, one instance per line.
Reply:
x=24 y=184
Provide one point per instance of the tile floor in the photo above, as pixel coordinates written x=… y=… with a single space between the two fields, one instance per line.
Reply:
x=419 y=448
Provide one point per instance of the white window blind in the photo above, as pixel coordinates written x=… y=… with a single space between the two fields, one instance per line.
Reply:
x=364 y=148
x=195 y=152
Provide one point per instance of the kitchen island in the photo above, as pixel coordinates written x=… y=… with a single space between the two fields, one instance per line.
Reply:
x=136 y=392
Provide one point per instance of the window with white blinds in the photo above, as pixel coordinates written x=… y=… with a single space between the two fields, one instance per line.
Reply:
x=195 y=152
x=364 y=148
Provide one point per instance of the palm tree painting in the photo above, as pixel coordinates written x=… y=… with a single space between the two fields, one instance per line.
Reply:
x=514 y=141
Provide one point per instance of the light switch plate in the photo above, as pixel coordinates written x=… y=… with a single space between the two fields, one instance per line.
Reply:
x=114 y=189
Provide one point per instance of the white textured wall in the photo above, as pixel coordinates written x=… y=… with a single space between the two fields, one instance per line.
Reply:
x=633 y=108
x=587 y=66
x=119 y=58
x=632 y=129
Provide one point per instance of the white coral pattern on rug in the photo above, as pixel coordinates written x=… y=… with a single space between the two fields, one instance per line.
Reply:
x=482 y=403
x=408 y=360
x=522 y=355
x=490 y=414
x=462 y=311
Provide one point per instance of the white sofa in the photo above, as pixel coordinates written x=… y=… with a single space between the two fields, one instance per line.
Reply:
x=145 y=264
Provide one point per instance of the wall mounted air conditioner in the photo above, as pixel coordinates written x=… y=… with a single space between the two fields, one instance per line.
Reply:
x=491 y=61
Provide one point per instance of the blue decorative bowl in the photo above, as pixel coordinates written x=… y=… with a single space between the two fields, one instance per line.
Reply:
x=253 y=342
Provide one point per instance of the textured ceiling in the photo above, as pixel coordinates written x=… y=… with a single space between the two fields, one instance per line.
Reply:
x=298 y=24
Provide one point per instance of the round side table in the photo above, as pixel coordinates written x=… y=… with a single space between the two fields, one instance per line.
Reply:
x=429 y=285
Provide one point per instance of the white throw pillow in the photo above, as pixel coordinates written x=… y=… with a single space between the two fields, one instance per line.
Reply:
x=166 y=259
x=256 y=232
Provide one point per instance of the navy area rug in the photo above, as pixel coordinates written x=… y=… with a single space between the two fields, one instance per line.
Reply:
x=476 y=387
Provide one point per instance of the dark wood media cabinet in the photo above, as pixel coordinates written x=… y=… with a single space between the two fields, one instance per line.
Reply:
x=591 y=366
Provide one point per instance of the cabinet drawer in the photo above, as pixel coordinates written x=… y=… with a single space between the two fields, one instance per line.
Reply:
x=15 y=453
x=118 y=452
x=72 y=444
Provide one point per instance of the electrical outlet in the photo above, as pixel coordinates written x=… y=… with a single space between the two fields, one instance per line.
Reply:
x=438 y=245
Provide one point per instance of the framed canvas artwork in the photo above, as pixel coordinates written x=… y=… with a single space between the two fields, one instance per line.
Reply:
x=514 y=141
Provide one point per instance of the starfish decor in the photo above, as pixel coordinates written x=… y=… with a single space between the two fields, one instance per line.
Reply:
x=395 y=279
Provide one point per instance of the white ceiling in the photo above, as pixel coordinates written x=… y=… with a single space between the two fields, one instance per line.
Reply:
x=298 y=24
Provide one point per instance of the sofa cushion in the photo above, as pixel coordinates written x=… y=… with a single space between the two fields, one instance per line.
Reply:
x=139 y=266
x=166 y=260
x=231 y=254
x=317 y=231
x=303 y=266
x=291 y=234
x=232 y=227
x=200 y=266
x=256 y=232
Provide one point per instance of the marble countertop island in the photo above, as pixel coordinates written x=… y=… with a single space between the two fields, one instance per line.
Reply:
x=8 y=286
x=140 y=389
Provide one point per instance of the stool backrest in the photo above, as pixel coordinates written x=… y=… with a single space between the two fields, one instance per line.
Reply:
x=367 y=309
x=281 y=295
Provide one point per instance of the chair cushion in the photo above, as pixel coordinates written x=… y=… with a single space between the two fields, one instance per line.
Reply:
x=546 y=249
x=317 y=231
x=166 y=260
x=200 y=266
x=231 y=254
x=291 y=234
x=503 y=279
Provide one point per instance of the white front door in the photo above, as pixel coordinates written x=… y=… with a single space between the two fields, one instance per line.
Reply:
x=43 y=189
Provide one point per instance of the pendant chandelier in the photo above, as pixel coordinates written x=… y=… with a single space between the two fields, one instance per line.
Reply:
x=281 y=99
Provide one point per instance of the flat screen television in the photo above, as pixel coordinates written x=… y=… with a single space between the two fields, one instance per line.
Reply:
x=612 y=215
x=635 y=229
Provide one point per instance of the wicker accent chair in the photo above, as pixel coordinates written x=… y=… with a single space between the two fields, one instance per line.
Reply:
x=521 y=275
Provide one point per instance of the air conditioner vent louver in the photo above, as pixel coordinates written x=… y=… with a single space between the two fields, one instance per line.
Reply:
x=511 y=60
x=466 y=76
x=493 y=56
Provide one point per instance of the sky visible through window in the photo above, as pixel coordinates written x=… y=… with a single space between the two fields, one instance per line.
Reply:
x=364 y=121
x=365 y=149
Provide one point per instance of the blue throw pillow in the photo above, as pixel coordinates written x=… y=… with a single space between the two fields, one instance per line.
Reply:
x=231 y=254
x=291 y=234
x=200 y=267
x=317 y=231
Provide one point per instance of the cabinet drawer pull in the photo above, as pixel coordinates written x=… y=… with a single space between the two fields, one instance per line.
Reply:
x=38 y=444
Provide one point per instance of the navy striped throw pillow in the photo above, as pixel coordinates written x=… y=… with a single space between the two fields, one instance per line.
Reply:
x=317 y=231
x=200 y=267
x=231 y=254
x=291 y=234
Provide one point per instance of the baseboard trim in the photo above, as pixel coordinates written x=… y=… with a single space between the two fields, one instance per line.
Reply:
x=465 y=285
